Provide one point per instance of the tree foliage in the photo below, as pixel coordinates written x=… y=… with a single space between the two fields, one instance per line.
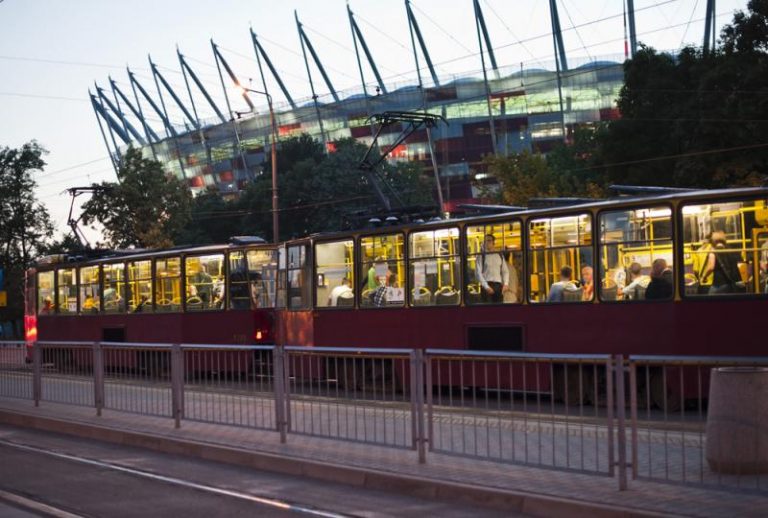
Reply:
x=25 y=225
x=146 y=208
x=316 y=192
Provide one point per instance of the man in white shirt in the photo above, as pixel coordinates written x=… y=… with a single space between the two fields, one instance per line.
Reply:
x=492 y=272
x=339 y=290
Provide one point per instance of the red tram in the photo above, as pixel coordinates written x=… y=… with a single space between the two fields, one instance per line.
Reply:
x=677 y=274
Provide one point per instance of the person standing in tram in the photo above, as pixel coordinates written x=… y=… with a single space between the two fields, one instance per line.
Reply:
x=723 y=264
x=660 y=287
x=587 y=282
x=492 y=272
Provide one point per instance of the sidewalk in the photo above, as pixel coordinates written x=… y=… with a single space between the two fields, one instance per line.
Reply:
x=534 y=491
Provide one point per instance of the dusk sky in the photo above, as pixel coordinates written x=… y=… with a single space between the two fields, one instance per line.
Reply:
x=52 y=51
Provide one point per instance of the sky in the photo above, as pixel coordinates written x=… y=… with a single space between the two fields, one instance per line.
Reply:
x=52 y=52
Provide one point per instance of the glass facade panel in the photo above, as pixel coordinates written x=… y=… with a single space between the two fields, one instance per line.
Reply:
x=45 y=293
x=560 y=259
x=90 y=289
x=66 y=291
x=168 y=284
x=335 y=286
x=139 y=287
x=435 y=267
x=634 y=243
x=205 y=282
x=382 y=266
x=114 y=288
x=494 y=263
x=252 y=279
x=725 y=248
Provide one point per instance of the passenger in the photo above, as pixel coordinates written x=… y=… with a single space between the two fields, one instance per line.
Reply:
x=492 y=272
x=587 y=282
x=90 y=304
x=724 y=267
x=144 y=302
x=764 y=265
x=564 y=284
x=47 y=306
x=637 y=280
x=203 y=284
x=342 y=289
x=661 y=286
x=375 y=280
x=512 y=294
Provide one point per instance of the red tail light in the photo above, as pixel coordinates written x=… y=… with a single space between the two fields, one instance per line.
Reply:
x=30 y=328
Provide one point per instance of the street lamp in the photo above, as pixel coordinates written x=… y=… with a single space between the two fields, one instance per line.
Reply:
x=273 y=123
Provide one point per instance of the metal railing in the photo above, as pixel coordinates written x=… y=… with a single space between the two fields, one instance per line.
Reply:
x=547 y=410
x=669 y=412
x=15 y=370
x=642 y=417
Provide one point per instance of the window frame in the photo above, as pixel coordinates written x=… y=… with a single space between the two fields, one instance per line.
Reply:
x=124 y=283
x=274 y=250
x=307 y=267
x=182 y=284
x=680 y=248
x=522 y=279
x=363 y=275
x=54 y=306
x=225 y=271
x=590 y=212
x=674 y=238
x=460 y=255
x=355 y=279
x=76 y=276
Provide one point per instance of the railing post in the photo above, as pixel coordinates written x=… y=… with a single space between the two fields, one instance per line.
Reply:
x=177 y=384
x=633 y=414
x=98 y=377
x=417 y=401
x=430 y=404
x=621 y=401
x=278 y=362
x=37 y=372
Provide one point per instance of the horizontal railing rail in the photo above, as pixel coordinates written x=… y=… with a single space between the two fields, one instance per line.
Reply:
x=647 y=416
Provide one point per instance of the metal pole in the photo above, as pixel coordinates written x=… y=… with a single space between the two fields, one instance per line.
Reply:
x=618 y=367
x=275 y=213
x=417 y=395
x=98 y=377
x=491 y=122
x=37 y=373
x=177 y=383
x=280 y=400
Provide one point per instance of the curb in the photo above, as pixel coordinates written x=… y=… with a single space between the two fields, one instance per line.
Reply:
x=526 y=503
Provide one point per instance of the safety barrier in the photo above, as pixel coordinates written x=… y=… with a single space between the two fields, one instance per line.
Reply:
x=669 y=411
x=642 y=417
x=15 y=370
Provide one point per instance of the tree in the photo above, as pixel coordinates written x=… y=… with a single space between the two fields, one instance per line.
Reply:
x=25 y=225
x=317 y=191
x=695 y=119
x=522 y=176
x=146 y=208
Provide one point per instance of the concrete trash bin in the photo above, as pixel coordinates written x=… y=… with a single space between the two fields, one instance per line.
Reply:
x=737 y=420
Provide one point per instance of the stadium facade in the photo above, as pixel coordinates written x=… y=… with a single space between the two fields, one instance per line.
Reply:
x=496 y=110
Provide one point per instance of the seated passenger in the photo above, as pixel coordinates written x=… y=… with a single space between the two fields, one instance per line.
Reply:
x=724 y=265
x=587 y=282
x=660 y=286
x=341 y=289
x=637 y=280
x=564 y=284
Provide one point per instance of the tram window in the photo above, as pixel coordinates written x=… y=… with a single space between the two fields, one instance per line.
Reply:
x=494 y=263
x=90 y=289
x=66 y=291
x=45 y=293
x=560 y=259
x=114 y=288
x=139 y=288
x=382 y=264
x=205 y=282
x=435 y=267
x=168 y=284
x=335 y=286
x=252 y=279
x=298 y=277
x=725 y=248
x=631 y=242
